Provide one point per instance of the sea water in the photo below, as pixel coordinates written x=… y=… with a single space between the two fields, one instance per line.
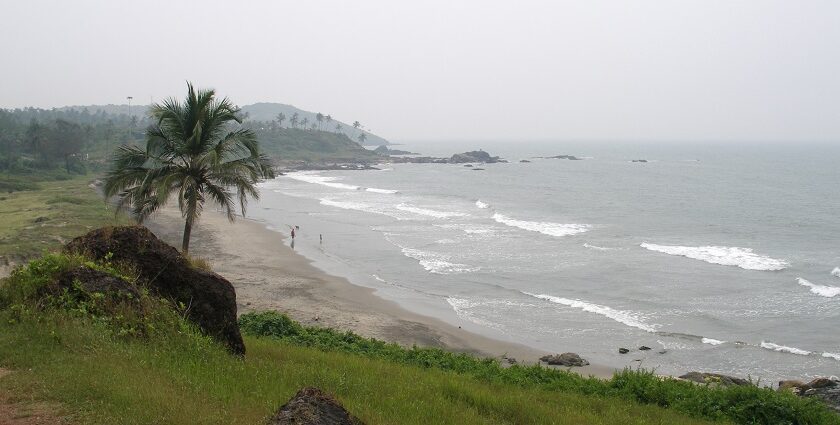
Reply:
x=720 y=258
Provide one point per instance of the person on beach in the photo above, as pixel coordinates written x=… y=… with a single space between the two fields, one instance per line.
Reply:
x=321 y=238
x=293 y=234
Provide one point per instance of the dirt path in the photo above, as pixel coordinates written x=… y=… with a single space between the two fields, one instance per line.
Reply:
x=17 y=410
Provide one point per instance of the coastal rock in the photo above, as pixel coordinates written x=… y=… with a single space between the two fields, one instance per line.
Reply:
x=825 y=389
x=714 y=378
x=384 y=150
x=644 y=348
x=478 y=169
x=468 y=165
x=623 y=350
x=639 y=160
x=311 y=406
x=565 y=359
x=210 y=299
x=524 y=161
x=473 y=156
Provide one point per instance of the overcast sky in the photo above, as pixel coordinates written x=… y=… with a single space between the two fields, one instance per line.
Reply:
x=429 y=69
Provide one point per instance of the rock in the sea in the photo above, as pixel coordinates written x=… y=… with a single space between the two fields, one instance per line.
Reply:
x=639 y=160
x=644 y=348
x=524 y=161
x=714 y=378
x=311 y=406
x=468 y=165
x=473 y=156
x=210 y=299
x=565 y=359
x=623 y=350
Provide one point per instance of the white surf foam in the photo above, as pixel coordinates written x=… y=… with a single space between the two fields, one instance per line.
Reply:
x=597 y=248
x=784 y=349
x=429 y=213
x=375 y=190
x=437 y=263
x=310 y=177
x=544 y=227
x=481 y=205
x=723 y=255
x=834 y=356
x=711 y=341
x=625 y=317
x=821 y=290
x=836 y=272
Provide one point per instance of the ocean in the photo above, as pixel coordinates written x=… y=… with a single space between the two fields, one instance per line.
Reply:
x=720 y=258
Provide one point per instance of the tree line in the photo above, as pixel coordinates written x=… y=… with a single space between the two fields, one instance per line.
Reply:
x=321 y=121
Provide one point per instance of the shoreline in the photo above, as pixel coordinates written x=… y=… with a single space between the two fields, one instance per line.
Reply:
x=269 y=275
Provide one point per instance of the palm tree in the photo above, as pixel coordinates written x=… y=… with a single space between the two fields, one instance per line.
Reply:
x=304 y=122
x=356 y=125
x=362 y=138
x=338 y=128
x=294 y=120
x=320 y=118
x=280 y=117
x=329 y=120
x=195 y=150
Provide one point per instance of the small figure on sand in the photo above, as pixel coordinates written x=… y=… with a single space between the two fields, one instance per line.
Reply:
x=293 y=233
x=321 y=238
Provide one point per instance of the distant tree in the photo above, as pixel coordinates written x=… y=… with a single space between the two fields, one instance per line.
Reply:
x=356 y=125
x=304 y=122
x=194 y=150
x=313 y=127
x=338 y=128
x=329 y=120
x=362 y=138
x=294 y=120
x=280 y=118
x=320 y=118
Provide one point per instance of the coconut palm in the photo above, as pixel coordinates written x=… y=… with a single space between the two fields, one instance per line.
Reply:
x=280 y=118
x=362 y=138
x=328 y=118
x=294 y=120
x=320 y=118
x=338 y=128
x=356 y=124
x=304 y=122
x=194 y=150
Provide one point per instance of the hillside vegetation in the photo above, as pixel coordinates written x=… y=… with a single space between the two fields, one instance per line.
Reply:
x=290 y=144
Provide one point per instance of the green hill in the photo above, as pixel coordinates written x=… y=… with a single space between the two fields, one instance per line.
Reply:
x=289 y=144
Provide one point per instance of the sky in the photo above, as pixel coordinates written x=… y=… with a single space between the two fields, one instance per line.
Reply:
x=659 y=70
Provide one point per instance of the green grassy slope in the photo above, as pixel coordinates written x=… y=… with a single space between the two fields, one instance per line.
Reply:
x=312 y=146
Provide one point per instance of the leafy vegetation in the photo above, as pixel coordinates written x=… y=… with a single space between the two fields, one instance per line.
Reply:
x=308 y=145
x=741 y=404
x=72 y=353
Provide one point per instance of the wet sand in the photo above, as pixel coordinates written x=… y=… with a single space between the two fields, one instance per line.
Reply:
x=269 y=275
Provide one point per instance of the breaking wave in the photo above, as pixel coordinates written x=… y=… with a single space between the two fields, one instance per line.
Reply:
x=834 y=356
x=428 y=212
x=836 y=272
x=544 y=227
x=481 y=205
x=723 y=255
x=437 y=263
x=784 y=349
x=310 y=177
x=712 y=341
x=598 y=248
x=625 y=317
x=823 y=291
x=375 y=190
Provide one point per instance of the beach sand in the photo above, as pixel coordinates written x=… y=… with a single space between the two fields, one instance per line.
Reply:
x=269 y=275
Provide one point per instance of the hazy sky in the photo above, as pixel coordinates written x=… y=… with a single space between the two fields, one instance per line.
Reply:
x=566 y=70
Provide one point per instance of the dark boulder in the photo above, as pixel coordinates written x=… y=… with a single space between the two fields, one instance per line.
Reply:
x=209 y=299
x=714 y=378
x=311 y=406
x=473 y=156
x=644 y=348
x=524 y=161
x=565 y=359
x=82 y=282
x=623 y=350
x=825 y=389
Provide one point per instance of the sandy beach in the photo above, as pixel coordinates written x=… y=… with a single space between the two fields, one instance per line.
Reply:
x=269 y=275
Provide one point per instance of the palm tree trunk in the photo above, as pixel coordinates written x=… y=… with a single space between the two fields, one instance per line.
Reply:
x=185 y=245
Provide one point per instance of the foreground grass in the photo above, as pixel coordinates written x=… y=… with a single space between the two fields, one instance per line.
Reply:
x=187 y=380
x=48 y=214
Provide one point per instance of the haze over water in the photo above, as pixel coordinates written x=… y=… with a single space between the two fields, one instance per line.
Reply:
x=722 y=257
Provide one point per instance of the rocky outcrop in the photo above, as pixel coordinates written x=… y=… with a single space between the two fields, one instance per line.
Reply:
x=209 y=299
x=569 y=157
x=825 y=389
x=83 y=282
x=383 y=150
x=565 y=359
x=311 y=406
x=639 y=160
x=623 y=350
x=473 y=156
x=714 y=378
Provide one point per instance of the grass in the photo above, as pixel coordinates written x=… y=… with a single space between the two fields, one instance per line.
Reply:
x=46 y=216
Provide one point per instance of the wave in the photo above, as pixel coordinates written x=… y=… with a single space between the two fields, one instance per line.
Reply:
x=784 y=349
x=823 y=291
x=723 y=255
x=428 y=212
x=375 y=190
x=597 y=248
x=836 y=272
x=481 y=205
x=437 y=263
x=625 y=317
x=711 y=341
x=309 y=177
x=544 y=227
x=834 y=356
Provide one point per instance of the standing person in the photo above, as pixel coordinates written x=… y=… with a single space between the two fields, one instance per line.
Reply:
x=321 y=238
x=293 y=233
